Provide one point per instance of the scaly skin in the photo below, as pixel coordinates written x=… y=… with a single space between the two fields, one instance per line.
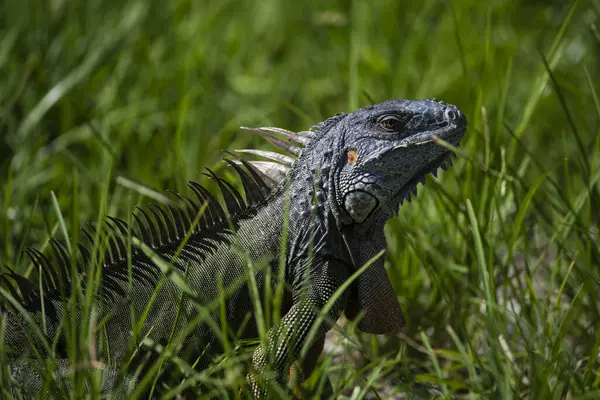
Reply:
x=351 y=177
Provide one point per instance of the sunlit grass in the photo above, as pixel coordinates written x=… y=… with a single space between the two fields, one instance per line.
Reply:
x=495 y=263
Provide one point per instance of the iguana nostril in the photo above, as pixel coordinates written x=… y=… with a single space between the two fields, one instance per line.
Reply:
x=453 y=115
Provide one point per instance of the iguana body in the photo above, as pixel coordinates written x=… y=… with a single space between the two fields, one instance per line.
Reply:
x=352 y=175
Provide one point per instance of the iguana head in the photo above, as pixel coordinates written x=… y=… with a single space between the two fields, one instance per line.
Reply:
x=387 y=149
x=369 y=160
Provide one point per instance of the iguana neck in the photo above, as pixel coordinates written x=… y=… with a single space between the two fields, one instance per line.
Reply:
x=313 y=208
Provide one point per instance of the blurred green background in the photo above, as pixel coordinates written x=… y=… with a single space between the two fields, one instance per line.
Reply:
x=496 y=264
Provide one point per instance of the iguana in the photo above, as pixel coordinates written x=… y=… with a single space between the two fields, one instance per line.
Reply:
x=327 y=202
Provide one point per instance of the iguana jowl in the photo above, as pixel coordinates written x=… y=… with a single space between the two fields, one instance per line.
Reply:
x=352 y=174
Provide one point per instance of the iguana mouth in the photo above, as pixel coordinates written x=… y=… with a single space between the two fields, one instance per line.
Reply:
x=444 y=161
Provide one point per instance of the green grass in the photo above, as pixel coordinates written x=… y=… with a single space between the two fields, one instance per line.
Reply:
x=496 y=264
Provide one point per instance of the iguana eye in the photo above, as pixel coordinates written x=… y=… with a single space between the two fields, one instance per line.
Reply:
x=390 y=123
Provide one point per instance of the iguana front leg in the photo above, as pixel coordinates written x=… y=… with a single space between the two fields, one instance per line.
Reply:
x=286 y=341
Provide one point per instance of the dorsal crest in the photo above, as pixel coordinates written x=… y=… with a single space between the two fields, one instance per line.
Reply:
x=202 y=220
